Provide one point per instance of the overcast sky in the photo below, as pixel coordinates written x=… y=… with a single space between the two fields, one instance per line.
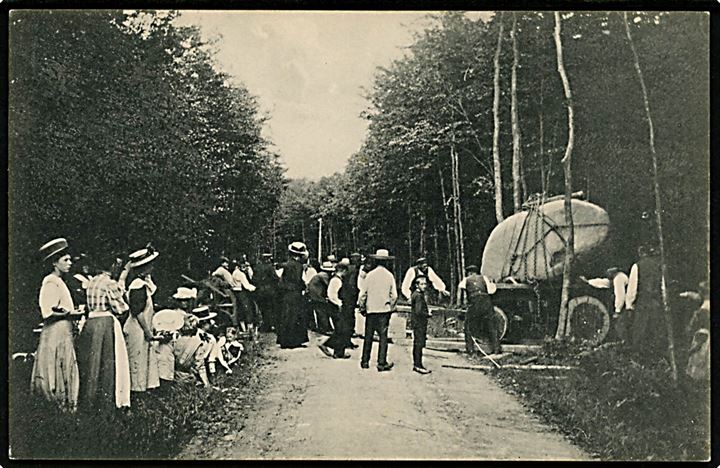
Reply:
x=308 y=70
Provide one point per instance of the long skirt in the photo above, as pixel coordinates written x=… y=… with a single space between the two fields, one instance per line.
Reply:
x=55 y=371
x=96 y=361
x=293 y=331
x=144 y=373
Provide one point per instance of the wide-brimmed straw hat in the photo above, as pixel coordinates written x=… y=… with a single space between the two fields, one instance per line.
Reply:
x=53 y=247
x=327 y=266
x=168 y=320
x=381 y=254
x=203 y=313
x=185 y=293
x=142 y=257
x=297 y=248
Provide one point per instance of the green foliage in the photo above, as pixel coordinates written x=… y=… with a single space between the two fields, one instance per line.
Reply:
x=122 y=131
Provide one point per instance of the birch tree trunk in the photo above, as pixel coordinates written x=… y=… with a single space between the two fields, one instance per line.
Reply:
x=567 y=168
x=516 y=139
x=496 y=127
x=658 y=206
x=458 y=216
x=450 y=250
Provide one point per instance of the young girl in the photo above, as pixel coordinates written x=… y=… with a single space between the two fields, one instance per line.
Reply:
x=420 y=315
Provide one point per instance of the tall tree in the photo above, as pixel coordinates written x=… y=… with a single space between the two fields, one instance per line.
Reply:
x=516 y=137
x=496 y=126
x=567 y=169
x=658 y=202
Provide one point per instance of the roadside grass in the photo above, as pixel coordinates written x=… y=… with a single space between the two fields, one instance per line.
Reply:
x=613 y=406
x=157 y=426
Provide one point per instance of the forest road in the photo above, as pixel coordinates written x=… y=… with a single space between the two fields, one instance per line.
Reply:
x=315 y=407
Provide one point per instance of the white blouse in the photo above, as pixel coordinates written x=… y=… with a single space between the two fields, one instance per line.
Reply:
x=54 y=293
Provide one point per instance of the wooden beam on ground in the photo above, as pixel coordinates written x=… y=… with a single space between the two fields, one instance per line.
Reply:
x=510 y=366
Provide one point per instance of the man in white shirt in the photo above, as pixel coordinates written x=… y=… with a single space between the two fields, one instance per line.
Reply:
x=341 y=335
x=378 y=297
x=422 y=267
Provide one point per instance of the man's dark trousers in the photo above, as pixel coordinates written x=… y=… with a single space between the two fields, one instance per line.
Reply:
x=340 y=338
x=419 y=328
x=481 y=315
x=323 y=311
x=377 y=322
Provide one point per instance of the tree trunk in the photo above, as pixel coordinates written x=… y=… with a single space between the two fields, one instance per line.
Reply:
x=567 y=167
x=423 y=231
x=409 y=235
x=516 y=139
x=496 y=127
x=658 y=206
x=458 y=215
x=448 y=234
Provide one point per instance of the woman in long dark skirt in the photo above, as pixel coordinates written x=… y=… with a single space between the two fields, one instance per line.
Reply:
x=293 y=331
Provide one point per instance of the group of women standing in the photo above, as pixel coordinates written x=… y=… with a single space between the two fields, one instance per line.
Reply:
x=111 y=360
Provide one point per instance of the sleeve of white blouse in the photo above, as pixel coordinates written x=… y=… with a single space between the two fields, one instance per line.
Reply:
x=246 y=284
x=631 y=293
x=49 y=298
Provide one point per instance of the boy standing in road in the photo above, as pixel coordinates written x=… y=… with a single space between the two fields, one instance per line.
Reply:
x=420 y=315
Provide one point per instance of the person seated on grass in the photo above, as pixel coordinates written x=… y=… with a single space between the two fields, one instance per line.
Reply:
x=190 y=354
x=210 y=345
x=230 y=347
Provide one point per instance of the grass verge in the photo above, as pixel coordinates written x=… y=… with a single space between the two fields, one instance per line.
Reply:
x=159 y=424
x=613 y=406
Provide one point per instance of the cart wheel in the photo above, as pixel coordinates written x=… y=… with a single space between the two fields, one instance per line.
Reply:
x=500 y=316
x=588 y=319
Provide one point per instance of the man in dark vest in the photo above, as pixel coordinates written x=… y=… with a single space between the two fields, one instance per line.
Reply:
x=435 y=283
x=317 y=290
x=480 y=315
x=350 y=292
x=266 y=280
x=643 y=302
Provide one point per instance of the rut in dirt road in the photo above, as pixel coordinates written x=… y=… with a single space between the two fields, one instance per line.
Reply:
x=317 y=407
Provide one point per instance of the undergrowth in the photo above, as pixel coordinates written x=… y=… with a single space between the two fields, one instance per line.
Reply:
x=157 y=426
x=613 y=406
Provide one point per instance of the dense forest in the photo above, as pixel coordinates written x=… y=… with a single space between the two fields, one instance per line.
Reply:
x=124 y=132
x=427 y=160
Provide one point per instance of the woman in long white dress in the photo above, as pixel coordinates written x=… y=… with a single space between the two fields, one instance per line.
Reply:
x=55 y=371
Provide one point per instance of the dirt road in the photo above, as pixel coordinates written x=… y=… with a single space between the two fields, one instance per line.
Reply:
x=319 y=408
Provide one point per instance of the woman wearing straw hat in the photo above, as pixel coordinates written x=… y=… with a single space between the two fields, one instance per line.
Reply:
x=293 y=331
x=55 y=371
x=102 y=353
x=144 y=373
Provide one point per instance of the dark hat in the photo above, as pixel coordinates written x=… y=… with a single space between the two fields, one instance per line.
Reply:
x=420 y=261
x=53 y=247
x=418 y=277
x=267 y=255
x=355 y=255
x=223 y=259
x=470 y=268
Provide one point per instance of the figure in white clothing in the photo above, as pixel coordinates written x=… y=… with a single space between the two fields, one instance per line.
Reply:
x=421 y=267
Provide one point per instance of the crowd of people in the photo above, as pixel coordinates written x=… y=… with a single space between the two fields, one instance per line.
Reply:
x=102 y=340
